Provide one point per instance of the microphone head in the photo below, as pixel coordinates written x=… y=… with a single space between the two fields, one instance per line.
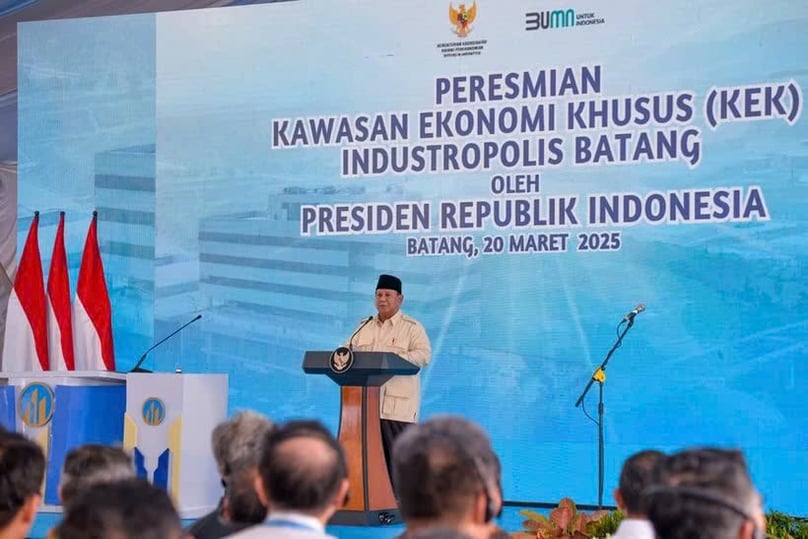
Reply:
x=637 y=310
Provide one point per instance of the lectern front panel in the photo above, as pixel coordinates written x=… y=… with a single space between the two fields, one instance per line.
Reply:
x=351 y=436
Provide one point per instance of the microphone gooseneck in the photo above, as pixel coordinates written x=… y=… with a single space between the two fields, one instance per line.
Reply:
x=142 y=358
x=363 y=324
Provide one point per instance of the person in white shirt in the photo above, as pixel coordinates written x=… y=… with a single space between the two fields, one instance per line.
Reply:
x=638 y=473
x=303 y=479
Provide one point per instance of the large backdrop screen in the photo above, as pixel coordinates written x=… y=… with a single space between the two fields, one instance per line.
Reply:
x=531 y=173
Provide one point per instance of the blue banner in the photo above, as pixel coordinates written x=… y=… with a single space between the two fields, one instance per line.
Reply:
x=530 y=173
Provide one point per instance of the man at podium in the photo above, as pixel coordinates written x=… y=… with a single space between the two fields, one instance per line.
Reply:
x=393 y=331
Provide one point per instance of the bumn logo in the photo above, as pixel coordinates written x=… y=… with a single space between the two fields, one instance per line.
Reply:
x=561 y=18
x=542 y=20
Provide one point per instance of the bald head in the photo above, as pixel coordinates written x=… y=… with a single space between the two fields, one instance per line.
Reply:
x=303 y=468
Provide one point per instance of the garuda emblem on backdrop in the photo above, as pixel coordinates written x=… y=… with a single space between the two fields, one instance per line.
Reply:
x=462 y=18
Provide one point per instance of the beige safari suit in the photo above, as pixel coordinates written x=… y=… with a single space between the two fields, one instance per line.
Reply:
x=405 y=336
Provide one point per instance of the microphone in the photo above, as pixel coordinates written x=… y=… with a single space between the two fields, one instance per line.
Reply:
x=142 y=358
x=637 y=310
x=365 y=323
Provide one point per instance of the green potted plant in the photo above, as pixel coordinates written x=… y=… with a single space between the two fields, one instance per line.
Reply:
x=782 y=526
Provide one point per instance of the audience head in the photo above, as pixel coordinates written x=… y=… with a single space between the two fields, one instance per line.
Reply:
x=438 y=533
x=446 y=472
x=22 y=469
x=128 y=509
x=91 y=464
x=639 y=472
x=303 y=470
x=705 y=493
x=241 y=502
x=237 y=442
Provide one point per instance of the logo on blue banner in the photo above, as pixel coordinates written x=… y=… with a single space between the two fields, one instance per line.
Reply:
x=36 y=404
x=154 y=411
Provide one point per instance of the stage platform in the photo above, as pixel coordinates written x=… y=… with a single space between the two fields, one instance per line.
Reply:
x=510 y=521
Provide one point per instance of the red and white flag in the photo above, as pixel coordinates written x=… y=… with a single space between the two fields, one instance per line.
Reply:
x=60 y=326
x=92 y=312
x=25 y=347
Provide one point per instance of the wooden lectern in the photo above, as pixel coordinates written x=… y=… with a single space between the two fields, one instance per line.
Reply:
x=372 y=502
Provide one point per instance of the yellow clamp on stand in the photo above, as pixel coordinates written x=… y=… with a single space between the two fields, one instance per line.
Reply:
x=599 y=376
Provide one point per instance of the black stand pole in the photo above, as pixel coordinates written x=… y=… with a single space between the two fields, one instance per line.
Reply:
x=599 y=376
x=601 y=448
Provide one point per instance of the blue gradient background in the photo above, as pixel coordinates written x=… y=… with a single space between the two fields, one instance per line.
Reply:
x=163 y=123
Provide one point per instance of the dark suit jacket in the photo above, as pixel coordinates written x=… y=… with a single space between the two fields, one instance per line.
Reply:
x=213 y=526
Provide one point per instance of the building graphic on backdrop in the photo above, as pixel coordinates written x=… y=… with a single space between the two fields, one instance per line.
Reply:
x=256 y=262
x=198 y=214
x=125 y=200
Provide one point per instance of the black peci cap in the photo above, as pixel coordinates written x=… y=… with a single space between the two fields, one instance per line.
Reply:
x=389 y=282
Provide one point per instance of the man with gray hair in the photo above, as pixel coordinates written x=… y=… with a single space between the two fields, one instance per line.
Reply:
x=705 y=493
x=446 y=474
x=237 y=445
